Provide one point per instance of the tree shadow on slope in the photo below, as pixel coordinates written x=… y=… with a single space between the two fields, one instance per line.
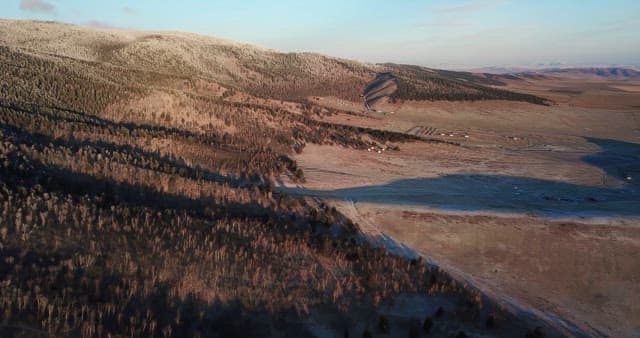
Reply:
x=132 y=156
x=73 y=116
x=33 y=173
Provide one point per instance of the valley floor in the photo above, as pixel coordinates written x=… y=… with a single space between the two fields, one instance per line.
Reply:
x=546 y=221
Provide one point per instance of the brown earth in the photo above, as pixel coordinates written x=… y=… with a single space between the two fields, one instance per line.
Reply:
x=564 y=242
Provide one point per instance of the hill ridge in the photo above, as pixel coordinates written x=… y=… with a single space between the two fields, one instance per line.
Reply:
x=259 y=71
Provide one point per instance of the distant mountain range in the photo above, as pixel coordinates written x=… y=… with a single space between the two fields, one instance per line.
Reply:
x=608 y=73
x=617 y=73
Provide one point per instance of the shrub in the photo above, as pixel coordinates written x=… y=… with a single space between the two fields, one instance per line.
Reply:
x=427 y=325
x=439 y=313
x=461 y=334
x=414 y=331
x=383 y=324
x=491 y=322
x=535 y=333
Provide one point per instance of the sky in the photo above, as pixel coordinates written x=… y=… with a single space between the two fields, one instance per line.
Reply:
x=436 y=33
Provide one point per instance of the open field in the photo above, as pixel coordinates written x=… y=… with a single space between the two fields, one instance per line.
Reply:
x=539 y=206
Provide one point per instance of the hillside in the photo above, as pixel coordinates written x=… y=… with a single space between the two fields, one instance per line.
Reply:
x=260 y=72
x=137 y=197
x=419 y=83
x=414 y=83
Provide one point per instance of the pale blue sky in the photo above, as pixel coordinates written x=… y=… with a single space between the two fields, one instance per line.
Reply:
x=451 y=33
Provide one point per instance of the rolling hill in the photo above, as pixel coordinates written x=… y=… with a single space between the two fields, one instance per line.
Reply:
x=257 y=71
x=424 y=84
x=138 y=198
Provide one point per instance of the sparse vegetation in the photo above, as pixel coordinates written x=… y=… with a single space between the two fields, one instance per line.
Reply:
x=122 y=219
